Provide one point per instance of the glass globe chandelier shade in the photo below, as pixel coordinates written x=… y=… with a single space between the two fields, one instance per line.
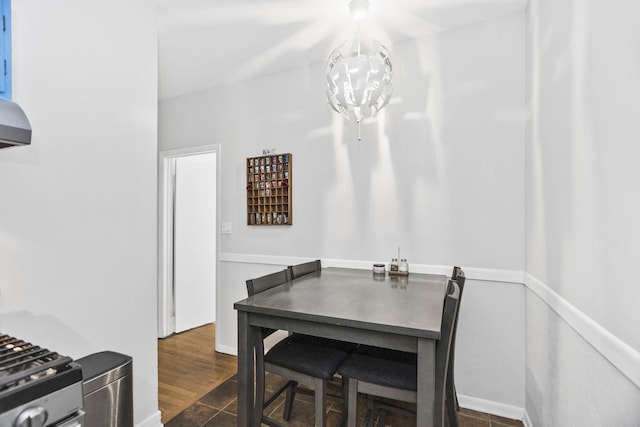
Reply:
x=359 y=82
x=359 y=79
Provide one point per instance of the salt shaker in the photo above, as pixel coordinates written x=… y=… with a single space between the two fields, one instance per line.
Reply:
x=404 y=266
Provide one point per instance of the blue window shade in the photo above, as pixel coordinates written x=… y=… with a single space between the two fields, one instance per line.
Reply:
x=5 y=50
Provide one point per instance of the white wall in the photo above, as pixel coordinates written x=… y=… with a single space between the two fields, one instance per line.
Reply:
x=582 y=210
x=78 y=206
x=440 y=174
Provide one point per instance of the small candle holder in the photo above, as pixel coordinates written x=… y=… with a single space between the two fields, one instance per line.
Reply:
x=379 y=269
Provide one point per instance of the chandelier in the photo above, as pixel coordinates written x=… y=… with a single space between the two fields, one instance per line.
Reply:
x=359 y=79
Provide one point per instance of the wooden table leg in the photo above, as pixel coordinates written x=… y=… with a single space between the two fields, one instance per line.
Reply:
x=426 y=415
x=245 y=371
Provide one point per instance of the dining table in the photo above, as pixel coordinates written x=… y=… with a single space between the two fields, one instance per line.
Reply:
x=355 y=305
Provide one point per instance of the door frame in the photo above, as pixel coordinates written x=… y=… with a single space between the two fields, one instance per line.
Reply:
x=166 y=320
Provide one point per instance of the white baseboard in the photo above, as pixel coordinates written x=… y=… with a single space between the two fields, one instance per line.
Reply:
x=226 y=349
x=490 y=407
x=527 y=421
x=154 y=420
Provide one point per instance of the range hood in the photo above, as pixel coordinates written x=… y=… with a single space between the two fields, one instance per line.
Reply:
x=14 y=125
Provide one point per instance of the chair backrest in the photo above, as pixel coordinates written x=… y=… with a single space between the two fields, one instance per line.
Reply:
x=304 y=268
x=262 y=283
x=458 y=276
x=449 y=314
x=444 y=344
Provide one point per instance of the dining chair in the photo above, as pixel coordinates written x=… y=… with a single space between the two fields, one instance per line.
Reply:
x=393 y=374
x=297 y=358
x=295 y=272
x=452 y=396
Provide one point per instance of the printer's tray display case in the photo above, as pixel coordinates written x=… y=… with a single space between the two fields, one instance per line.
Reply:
x=269 y=189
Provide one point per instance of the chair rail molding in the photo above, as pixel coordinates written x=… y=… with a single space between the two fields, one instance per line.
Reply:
x=620 y=354
x=484 y=274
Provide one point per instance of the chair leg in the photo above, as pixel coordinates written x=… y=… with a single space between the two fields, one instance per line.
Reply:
x=344 y=384
x=451 y=388
x=352 y=402
x=382 y=418
x=455 y=398
x=452 y=416
x=452 y=405
x=370 y=412
x=288 y=404
x=320 y=387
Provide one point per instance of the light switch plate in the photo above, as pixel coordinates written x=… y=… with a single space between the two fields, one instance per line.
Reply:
x=226 y=228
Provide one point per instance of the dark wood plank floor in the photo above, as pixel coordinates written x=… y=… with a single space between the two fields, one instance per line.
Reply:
x=189 y=368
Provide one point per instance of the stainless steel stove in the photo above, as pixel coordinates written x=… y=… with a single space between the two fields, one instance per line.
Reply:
x=38 y=387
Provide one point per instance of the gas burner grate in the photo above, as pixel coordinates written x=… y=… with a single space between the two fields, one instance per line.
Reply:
x=36 y=382
x=22 y=362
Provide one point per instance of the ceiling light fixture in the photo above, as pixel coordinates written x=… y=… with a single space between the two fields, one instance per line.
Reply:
x=359 y=81
x=359 y=10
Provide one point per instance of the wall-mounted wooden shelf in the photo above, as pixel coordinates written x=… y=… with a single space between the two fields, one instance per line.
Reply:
x=269 y=182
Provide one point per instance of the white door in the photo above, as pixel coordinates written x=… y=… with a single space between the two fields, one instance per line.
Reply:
x=194 y=260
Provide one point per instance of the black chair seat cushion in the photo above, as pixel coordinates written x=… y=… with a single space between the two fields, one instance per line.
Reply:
x=347 y=347
x=381 y=366
x=306 y=358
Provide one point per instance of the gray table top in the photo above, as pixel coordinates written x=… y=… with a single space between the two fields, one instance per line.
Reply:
x=409 y=305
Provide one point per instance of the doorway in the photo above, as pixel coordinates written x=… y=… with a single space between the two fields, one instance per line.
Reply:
x=188 y=244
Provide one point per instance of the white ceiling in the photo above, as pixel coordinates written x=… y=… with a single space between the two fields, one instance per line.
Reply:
x=207 y=43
